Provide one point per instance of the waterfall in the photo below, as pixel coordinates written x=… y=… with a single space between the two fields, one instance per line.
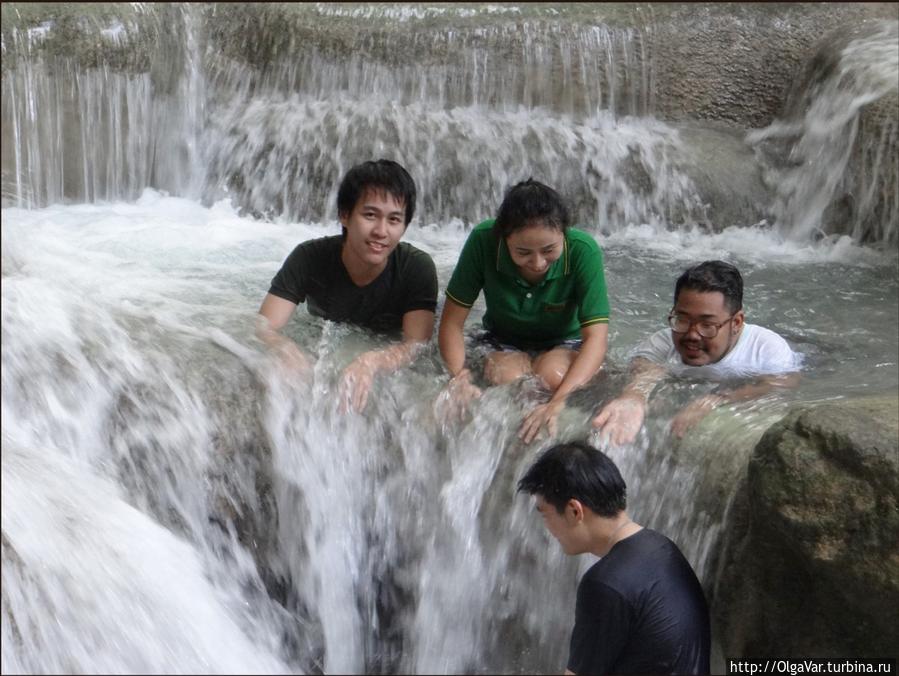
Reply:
x=821 y=135
x=176 y=500
x=268 y=105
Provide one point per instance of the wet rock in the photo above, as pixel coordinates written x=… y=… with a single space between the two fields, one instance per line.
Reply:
x=736 y=62
x=811 y=553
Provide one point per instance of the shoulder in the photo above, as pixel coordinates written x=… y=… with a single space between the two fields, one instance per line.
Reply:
x=480 y=245
x=763 y=335
x=585 y=253
x=600 y=585
x=768 y=347
x=484 y=226
x=582 y=245
x=636 y=561
x=483 y=232
x=656 y=347
x=409 y=257
x=581 y=240
x=319 y=246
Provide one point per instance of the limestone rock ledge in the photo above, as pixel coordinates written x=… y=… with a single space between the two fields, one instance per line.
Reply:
x=809 y=563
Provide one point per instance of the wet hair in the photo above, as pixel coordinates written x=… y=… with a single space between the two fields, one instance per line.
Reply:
x=528 y=203
x=579 y=471
x=713 y=276
x=385 y=175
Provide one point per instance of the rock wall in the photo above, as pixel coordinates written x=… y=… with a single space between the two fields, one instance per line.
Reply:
x=736 y=62
x=810 y=560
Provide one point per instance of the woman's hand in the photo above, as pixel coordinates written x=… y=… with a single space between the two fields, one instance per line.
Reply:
x=453 y=402
x=542 y=415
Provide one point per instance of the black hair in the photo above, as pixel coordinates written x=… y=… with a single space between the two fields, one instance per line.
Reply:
x=531 y=202
x=713 y=276
x=381 y=175
x=579 y=471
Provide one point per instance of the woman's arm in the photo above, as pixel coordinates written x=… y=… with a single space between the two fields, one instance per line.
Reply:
x=450 y=337
x=460 y=390
x=588 y=361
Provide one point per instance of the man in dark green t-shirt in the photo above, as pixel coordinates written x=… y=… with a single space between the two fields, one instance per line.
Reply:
x=547 y=307
x=365 y=276
x=640 y=609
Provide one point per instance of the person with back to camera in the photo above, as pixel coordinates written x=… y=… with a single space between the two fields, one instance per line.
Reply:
x=365 y=276
x=640 y=609
x=707 y=337
x=547 y=309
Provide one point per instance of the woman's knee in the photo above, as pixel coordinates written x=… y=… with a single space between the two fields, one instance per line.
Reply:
x=504 y=367
x=552 y=367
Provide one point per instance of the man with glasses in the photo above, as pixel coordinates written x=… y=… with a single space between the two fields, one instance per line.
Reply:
x=707 y=338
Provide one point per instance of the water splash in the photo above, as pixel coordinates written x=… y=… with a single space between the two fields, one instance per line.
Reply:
x=141 y=411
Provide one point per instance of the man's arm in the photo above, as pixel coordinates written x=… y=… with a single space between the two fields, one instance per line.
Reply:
x=274 y=314
x=418 y=327
x=620 y=419
x=583 y=368
x=697 y=409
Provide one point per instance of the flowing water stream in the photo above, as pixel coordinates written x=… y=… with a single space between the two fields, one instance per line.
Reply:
x=175 y=501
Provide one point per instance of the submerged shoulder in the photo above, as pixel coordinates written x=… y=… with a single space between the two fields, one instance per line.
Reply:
x=762 y=339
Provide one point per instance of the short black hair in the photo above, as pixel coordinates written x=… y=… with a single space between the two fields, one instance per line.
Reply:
x=385 y=175
x=579 y=471
x=712 y=276
x=528 y=202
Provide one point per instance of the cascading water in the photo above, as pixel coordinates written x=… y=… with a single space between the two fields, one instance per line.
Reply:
x=175 y=501
x=821 y=138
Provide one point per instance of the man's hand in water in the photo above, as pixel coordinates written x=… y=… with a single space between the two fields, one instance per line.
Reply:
x=692 y=413
x=356 y=381
x=459 y=392
x=288 y=353
x=545 y=414
x=292 y=358
x=620 y=420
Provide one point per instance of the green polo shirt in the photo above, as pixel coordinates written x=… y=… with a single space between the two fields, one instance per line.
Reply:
x=571 y=296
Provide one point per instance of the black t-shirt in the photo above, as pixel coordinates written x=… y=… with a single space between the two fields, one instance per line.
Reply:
x=641 y=610
x=313 y=273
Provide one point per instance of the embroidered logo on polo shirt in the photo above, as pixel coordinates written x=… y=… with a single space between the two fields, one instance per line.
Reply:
x=555 y=307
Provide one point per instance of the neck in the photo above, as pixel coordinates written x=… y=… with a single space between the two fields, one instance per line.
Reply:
x=531 y=278
x=619 y=528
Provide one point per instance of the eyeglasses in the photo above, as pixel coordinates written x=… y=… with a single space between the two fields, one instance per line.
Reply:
x=706 y=329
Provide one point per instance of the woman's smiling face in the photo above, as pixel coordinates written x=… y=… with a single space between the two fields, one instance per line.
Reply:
x=534 y=248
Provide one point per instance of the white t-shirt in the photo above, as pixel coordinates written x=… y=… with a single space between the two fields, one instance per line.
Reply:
x=758 y=351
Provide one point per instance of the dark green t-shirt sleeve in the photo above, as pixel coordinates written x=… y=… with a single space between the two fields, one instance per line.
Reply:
x=602 y=625
x=593 y=299
x=467 y=279
x=420 y=282
x=290 y=282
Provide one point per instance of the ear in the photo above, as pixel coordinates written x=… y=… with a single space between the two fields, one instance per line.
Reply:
x=574 y=510
x=738 y=320
x=343 y=218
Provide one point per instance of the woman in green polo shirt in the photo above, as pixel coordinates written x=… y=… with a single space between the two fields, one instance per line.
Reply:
x=547 y=307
